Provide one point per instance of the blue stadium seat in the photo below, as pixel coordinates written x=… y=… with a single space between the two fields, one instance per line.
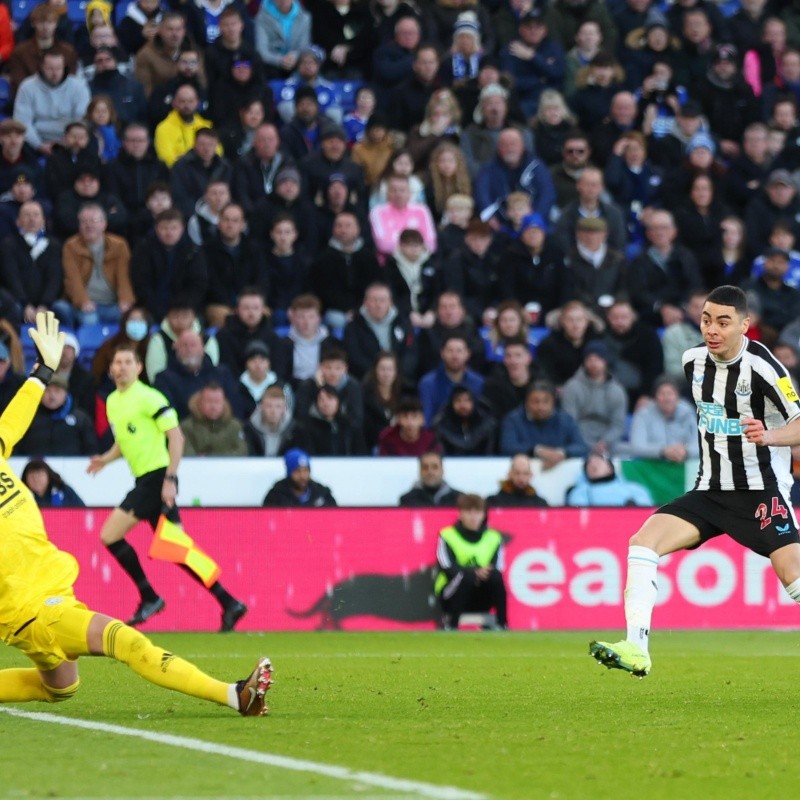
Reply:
x=5 y=96
x=90 y=337
x=76 y=11
x=28 y=348
x=346 y=94
x=535 y=336
x=21 y=8
x=120 y=9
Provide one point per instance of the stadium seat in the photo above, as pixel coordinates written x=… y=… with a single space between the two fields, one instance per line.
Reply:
x=120 y=9
x=76 y=11
x=90 y=337
x=535 y=336
x=21 y=8
x=346 y=94
x=5 y=96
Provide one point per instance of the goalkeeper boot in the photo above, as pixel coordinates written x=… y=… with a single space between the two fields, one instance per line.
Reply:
x=622 y=655
x=251 y=691
x=146 y=609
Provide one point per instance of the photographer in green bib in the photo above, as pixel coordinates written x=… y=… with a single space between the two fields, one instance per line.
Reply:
x=467 y=555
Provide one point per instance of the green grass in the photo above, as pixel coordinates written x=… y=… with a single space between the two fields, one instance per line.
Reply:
x=518 y=715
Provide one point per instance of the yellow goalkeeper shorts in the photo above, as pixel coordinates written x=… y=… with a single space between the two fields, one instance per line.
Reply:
x=56 y=634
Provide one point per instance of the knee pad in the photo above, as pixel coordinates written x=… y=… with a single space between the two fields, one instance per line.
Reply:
x=55 y=695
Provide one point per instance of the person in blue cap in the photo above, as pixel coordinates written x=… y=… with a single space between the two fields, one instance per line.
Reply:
x=297 y=490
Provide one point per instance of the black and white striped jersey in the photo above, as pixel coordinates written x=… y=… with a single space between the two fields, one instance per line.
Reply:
x=754 y=384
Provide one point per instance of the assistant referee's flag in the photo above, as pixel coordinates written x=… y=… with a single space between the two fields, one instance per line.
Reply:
x=171 y=543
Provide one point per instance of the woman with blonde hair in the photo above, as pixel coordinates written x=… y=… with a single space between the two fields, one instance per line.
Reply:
x=442 y=122
x=447 y=175
x=552 y=123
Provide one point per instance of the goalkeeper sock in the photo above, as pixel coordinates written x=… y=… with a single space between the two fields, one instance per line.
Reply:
x=129 y=561
x=641 y=592
x=24 y=685
x=158 y=666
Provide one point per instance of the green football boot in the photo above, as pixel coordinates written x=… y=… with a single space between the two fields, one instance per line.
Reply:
x=622 y=655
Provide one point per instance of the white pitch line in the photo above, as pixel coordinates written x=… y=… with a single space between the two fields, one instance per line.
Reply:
x=268 y=759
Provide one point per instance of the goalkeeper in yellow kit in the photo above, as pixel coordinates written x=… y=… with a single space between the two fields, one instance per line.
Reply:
x=39 y=613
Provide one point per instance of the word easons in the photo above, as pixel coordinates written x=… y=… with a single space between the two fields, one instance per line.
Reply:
x=595 y=577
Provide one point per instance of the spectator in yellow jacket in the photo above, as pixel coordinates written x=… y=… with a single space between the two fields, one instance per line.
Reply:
x=175 y=134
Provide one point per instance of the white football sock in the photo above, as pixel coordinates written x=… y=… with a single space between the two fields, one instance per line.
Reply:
x=793 y=590
x=641 y=591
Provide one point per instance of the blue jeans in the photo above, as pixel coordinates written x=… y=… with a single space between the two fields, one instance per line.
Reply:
x=71 y=317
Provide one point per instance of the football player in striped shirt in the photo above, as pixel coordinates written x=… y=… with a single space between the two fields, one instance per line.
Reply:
x=748 y=415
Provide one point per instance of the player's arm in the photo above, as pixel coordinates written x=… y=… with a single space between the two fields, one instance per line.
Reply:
x=97 y=462
x=18 y=414
x=786 y=436
x=175 y=443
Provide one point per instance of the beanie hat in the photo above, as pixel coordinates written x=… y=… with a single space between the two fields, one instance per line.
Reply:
x=294 y=459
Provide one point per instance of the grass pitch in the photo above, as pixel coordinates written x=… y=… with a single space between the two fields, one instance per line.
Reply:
x=497 y=715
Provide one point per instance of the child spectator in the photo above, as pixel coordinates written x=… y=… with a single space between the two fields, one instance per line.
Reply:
x=407 y=435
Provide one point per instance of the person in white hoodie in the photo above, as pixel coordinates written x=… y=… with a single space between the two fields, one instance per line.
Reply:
x=271 y=427
x=202 y=225
x=47 y=101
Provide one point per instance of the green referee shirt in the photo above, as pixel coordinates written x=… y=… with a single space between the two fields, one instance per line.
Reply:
x=139 y=418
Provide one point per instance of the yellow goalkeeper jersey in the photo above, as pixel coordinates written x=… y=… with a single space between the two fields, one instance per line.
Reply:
x=32 y=568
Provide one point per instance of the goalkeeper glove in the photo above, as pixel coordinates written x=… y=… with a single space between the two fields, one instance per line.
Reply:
x=49 y=345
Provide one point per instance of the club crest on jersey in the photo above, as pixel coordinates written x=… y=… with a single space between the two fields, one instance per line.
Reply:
x=711 y=419
x=743 y=388
x=131 y=427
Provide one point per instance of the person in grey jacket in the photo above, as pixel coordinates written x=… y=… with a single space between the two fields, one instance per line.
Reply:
x=279 y=50
x=596 y=401
x=667 y=427
x=47 y=101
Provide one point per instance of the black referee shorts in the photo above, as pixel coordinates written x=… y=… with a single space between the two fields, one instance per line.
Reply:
x=761 y=520
x=144 y=500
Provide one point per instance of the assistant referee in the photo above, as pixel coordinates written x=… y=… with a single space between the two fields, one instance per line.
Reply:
x=148 y=437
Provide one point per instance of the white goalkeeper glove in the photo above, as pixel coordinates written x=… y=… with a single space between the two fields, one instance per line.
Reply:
x=49 y=345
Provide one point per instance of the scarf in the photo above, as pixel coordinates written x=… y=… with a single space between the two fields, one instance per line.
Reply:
x=284 y=20
x=411 y=272
x=37 y=242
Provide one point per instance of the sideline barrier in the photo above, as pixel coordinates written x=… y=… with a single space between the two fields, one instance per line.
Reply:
x=355 y=481
x=370 y=569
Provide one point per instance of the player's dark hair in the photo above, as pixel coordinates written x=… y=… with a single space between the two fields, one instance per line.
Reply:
x=128 y=347
x=729 y=296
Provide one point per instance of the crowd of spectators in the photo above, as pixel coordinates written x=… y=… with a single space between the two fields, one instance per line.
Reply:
x=349 y=228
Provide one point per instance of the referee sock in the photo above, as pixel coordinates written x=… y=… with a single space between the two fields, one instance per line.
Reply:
x=160 y=667
x=641 y=591
x=129 y=561
x=223 y=598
